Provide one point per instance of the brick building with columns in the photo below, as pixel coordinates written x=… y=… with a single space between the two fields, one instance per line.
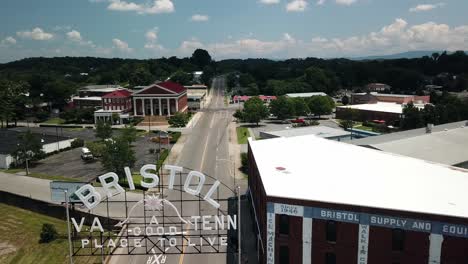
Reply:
x=160 y=99
x=325 y=202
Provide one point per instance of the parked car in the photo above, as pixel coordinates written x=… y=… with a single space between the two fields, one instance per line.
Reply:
x=298 y=121
x=86 y=154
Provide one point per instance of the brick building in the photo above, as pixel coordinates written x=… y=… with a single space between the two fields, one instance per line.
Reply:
x=372 y=98
x=324 y=202
x=160 y=99
x=115 y=104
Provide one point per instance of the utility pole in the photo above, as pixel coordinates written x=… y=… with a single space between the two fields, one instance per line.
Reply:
x=68 y=227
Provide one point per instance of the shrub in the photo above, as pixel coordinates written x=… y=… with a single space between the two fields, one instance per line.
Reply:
x=244 y=162
x=179 y=120
x=97 y=148
x=77 y=143
x=48 y=233
x=174 y=137
x=152 y=151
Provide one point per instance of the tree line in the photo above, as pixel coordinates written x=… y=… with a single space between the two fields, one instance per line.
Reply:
x=268 y=77
x=284 y=107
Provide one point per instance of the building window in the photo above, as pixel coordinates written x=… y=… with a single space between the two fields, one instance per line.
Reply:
x=284 y=224
x=284 y=255
x=398 y=240
x=331 y=231
x=330 y=258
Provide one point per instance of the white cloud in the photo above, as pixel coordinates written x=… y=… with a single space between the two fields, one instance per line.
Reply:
x=35 y=34
x=339 y=2
x=296 y=6
x=346 y=2
x=74 y=36
x=152 y=35
x=269 y=2
x=396 y=37
x=426 y=7
x=151 y=41
x=154 y=7
x=121 y=45
x=8 y=41
x=199 y=18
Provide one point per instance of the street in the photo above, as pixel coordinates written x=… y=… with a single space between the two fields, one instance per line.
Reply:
x=206 y=150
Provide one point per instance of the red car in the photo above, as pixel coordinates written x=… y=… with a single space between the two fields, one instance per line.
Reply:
x=298 y=121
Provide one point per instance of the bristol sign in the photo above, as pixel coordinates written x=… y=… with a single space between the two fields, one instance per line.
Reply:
x=181 y=211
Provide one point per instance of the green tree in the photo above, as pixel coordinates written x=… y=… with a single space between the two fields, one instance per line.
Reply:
x=129 y=134
x=412 y=117
x=201 y=58
x=321 y=105
x=245 y=79
x=117 y=155
x=207 y=76
x=182 y=78
x=103 y=130
x=29 y=148
x=255 y=110
x=321 y=80
x=282 y=108
x=348 y=117
x=300 y=106
x=141 y=77
x=48 y=233
x=11 y=96
x=345 y=100
x=179 y=120
x=239 y=115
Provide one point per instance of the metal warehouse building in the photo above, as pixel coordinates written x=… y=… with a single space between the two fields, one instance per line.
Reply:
x=324 y=202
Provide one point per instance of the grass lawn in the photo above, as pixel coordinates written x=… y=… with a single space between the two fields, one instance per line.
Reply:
x=242 y=135
x=41 y=175
x=365 y=128
x=20 y=229
x=55 y=121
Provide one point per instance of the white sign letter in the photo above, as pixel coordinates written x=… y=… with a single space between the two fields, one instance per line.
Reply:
x=193 y=192
x=113 y=183
x=173 y=169
x=147 y=175
x=88 y=196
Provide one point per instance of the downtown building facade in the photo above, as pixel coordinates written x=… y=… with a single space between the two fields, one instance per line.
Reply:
x=326 y=202
x=160 y=99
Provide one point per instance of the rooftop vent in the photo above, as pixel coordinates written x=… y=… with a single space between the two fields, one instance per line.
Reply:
x=429 y=128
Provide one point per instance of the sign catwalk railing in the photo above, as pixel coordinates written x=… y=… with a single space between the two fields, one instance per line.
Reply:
x=179 y=211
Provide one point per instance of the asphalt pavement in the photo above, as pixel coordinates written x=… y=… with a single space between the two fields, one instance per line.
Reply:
x=206 y=150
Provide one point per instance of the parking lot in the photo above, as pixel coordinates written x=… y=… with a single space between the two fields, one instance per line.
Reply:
x=69 y=163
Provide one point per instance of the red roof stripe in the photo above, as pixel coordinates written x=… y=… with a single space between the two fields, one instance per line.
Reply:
x=175 y=87
x=118 y=94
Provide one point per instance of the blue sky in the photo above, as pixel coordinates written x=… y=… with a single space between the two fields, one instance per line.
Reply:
x=229 y=28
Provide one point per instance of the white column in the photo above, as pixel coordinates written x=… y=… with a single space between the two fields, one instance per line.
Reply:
x=306 y=240
x=435 y=248
x=160 y=107
x=168 y=107
x=151 y=100
x=270 y=243
x=143 y=106
x=363 y=244
x=134 y=106
x=177 y=104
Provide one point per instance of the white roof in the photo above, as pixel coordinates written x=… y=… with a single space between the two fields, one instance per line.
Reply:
x=293 y=95
x=321 y=131
x=90 y=98
x=378 y=107
x=447 y=147
x=329 y=171
x=101 y=88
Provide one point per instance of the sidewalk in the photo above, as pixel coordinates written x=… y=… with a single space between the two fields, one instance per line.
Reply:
x=39 y=189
